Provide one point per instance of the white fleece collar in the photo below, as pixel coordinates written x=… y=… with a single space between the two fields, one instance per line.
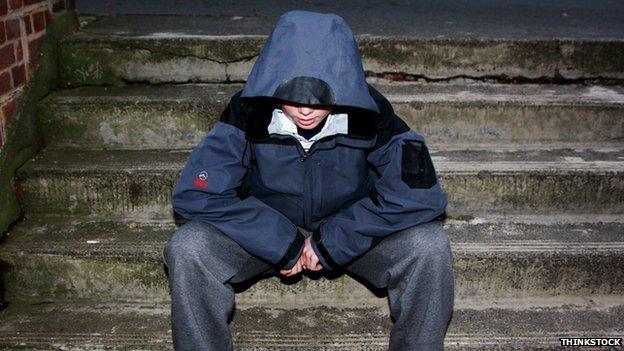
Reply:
x=282 y=124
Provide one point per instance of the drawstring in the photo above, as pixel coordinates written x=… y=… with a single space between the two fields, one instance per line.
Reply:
x=252 y=159
x=245 y=153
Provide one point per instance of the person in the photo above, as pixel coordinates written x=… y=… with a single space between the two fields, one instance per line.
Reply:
x=308 y=146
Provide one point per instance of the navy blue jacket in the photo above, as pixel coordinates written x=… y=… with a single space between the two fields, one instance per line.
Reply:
x=368 y=176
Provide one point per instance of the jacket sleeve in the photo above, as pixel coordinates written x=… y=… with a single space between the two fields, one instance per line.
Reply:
x=206 y=190
x=406 y=193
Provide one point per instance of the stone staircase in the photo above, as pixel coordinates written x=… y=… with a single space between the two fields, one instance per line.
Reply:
x=534 y=174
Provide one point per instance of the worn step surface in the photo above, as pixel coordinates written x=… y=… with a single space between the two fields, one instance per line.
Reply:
x=177 y=116
x=121 y=49
x=514 y=257
x=504 y=325
x=138 y=183
x=426 y=19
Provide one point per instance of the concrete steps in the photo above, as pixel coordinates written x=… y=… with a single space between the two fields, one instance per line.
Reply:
x=509 y=325
x=138 y=183
x=463 y=113
x=493 y=257
x=116 y=50
x=534 y=173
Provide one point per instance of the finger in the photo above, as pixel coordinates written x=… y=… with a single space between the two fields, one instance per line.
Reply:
x=287 y=272
x=300 y=266
x=313 y=261
x=315 y=264
x=297 y=268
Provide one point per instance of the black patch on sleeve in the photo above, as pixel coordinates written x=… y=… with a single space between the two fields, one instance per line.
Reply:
x=416 y=166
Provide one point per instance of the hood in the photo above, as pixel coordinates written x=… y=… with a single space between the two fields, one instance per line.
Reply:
x=310 y=58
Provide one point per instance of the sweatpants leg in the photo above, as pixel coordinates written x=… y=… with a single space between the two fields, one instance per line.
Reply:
x=201 y=263
x=416 y=265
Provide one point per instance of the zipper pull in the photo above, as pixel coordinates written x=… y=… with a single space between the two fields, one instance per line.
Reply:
x=304 y=156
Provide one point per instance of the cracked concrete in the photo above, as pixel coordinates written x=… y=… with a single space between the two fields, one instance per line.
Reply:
x=189 y=45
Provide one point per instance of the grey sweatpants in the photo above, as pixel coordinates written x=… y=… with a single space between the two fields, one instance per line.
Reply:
x=414 y=264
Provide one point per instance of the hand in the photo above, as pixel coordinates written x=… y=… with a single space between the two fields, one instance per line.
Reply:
x=307 y=260
x=310 y=260
x=298 y=267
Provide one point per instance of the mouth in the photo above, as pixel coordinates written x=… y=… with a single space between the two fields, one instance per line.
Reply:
x=306 y=122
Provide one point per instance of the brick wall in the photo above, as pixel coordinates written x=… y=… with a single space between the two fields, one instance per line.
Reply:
x=22 y=26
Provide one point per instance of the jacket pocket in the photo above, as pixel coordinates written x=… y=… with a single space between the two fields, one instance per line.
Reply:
x=417 y=169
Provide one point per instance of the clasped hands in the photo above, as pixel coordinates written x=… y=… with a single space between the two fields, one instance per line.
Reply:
x=307 y=260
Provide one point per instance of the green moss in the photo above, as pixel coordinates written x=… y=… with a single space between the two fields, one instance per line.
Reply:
x=47 y=276
x=97 y=125
x=23 y=138
x=535 y=192
x=440 y=59
x=96 y=62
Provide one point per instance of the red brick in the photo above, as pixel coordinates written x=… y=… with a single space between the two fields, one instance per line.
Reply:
x=58 y=6
x=33 y=47
x=38 y=21
x=15 y=4
x=9 y=109
x=2 y=33
x=3 y=7
x=30 y=67
x=12 y=28
x=7 y=56
x=28 y=22
x=5 y=82
x=19 y=75
x=19 y=51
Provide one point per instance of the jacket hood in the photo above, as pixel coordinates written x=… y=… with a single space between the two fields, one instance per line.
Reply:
x=310 y=58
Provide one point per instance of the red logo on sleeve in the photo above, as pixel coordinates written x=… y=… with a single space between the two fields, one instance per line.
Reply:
x=201 y=181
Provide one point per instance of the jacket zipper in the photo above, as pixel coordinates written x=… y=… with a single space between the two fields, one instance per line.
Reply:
x=302 y=152
x=304 y=155
x=302 y=158
x=311 y=150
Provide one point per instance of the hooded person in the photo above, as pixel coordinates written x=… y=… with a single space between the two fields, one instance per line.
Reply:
x=364 y=176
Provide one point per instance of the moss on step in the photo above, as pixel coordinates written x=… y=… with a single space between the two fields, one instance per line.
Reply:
x=89 y=61
x=531 y=59
x=23 y=138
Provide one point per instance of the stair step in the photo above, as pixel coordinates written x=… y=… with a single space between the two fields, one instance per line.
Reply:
x=86 y=325
x=494 y=257
x=137 y=183
x=110 y=50
x=177 y=116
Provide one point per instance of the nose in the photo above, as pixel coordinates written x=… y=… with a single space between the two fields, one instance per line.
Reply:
x=304 y=110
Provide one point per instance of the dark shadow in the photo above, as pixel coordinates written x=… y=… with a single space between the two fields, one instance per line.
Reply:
x=6 y=267
x=3 y=271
